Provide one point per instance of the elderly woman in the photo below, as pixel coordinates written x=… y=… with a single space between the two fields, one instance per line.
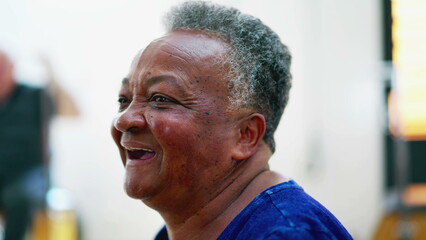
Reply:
x=197 y=115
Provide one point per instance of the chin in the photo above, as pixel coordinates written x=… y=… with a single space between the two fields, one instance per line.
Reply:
x=135 y=192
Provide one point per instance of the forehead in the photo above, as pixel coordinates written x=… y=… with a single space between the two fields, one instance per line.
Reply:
x=181 y=52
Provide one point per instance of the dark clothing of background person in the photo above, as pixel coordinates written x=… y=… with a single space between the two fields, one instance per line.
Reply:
x=24 y=118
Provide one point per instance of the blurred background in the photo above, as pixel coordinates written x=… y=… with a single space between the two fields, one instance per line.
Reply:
x=334 y=139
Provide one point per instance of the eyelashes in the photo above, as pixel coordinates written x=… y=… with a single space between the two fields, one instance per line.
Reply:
x=123 y=102
x=159 y=101
x=160 y=98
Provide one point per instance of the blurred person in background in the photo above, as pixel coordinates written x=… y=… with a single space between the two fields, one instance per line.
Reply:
x=25 y=112
x=197 y=115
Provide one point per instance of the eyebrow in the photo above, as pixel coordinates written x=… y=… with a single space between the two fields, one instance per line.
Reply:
x=158 y=79
x=164 y=78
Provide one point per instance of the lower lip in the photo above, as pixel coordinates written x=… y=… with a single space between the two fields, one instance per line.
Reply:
x=144 y=159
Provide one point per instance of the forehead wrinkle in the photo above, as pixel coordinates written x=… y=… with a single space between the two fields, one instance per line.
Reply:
x=177 y=56
x=185 y=53
x=140 y=68
x=184 y=57
x=166 y=45
x=176 y=77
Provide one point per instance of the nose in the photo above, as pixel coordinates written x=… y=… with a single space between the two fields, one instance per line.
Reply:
x=130 y=120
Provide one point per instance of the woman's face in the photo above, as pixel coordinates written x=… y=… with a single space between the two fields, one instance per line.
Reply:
x=173 y=129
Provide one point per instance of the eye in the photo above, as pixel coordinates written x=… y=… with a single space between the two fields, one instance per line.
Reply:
x=123 y=102
x=161 y=101
x=160 y=98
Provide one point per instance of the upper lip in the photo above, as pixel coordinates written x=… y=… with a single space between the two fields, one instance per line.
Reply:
x=136 y=147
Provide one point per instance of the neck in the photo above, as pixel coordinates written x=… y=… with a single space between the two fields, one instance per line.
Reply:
x=249 y=178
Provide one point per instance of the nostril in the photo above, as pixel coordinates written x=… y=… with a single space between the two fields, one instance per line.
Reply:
x=132 y=129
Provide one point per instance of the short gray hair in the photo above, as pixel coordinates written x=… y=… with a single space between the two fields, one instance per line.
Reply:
x=259 y=62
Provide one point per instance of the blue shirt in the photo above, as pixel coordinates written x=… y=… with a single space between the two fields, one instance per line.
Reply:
x=283 y=211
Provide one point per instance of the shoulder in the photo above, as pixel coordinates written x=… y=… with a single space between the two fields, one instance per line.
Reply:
x=285 y=210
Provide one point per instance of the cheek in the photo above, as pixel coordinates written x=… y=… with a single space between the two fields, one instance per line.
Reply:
x=182 y=136
x=190 y=138
x=175 y=130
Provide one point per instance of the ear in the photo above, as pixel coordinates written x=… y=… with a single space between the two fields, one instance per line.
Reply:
x=251 y=131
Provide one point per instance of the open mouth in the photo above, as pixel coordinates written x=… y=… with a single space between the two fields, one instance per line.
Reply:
x=139 y=154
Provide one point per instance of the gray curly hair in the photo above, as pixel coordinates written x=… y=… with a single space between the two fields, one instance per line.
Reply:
x=260 y=76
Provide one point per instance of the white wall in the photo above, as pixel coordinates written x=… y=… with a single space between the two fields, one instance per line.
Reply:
x=328 y=141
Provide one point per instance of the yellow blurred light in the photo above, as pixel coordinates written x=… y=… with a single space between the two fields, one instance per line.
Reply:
x=408 y=102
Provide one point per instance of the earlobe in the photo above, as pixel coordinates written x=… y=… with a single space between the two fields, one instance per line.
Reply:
x=252 y=129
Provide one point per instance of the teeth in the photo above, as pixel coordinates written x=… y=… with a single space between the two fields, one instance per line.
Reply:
x=138 y=149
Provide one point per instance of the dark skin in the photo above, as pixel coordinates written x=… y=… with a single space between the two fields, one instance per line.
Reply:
x=186 y=154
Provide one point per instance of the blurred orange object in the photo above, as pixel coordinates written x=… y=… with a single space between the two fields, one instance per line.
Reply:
x=389 y=228
x=415 y=195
